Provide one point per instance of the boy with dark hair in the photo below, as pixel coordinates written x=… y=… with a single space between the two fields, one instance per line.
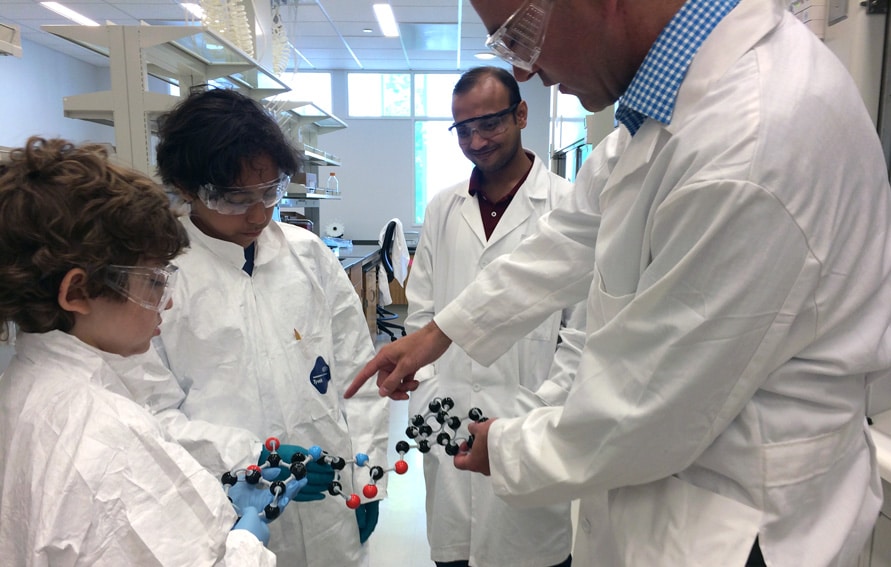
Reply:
x=266 y=330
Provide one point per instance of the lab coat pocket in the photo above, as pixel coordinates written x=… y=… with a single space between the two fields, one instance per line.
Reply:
x=672 y=522
x=527 y=400
x=309 y=362
x=606 y=305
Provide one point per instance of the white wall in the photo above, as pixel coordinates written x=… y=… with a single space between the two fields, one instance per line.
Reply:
x=857 y=41
x=31 y=103
x=377 y=172
x=31 y=96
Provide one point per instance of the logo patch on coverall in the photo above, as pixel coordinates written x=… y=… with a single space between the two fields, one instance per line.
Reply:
x=320 y=375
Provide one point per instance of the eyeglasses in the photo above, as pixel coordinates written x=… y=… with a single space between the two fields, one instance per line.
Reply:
x=237 y=200
x=486 y=126
x=518 y=41
x=147 y=287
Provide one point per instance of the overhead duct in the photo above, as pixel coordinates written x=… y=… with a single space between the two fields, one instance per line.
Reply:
x=10 y=40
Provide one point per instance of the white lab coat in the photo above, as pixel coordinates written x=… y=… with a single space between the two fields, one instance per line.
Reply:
x=740 y=296
x=90 y=477
x=246 y=349
x=465 y=520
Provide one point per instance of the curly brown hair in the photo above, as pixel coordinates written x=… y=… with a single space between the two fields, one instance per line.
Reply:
x=64 y=206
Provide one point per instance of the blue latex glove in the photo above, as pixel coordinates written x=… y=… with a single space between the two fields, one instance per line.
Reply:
x=256 y=496
x=318 y=475
x=252 y=522
x=366 y=517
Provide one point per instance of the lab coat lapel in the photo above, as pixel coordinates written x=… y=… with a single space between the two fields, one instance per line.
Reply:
x=534 y=189
x=470 y=212
x=515 y=216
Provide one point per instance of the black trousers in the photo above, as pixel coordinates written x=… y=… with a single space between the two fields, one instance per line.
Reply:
x=566 y=563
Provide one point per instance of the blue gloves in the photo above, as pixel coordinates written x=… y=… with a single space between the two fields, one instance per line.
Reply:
x=318 y=476
x=244 y=495
x=249 y=499
x=252 y=522
x=366 y=517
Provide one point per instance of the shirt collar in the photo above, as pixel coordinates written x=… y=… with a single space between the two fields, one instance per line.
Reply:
x=476 y=179
x=654 y=89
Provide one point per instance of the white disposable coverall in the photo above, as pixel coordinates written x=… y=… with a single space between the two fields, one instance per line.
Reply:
x=736 y=264
x=465 y=520
x=246 y=351
x=91 y=478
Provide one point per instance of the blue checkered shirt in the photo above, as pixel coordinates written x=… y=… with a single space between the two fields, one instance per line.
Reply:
x=653 y=91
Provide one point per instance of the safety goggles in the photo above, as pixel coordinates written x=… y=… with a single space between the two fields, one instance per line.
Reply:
x=518 y=41
x=237 y=200
x=487 y=125
x=147 y=287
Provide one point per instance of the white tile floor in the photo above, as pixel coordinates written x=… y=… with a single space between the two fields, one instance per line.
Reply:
x=400 y=538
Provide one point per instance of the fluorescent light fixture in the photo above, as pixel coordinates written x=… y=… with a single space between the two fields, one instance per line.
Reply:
x=485 y=55
x=194 y=9
x=68 y=13
x=386 y=20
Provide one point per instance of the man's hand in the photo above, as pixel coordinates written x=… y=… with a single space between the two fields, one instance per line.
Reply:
x=477 y=459
x=397 y=362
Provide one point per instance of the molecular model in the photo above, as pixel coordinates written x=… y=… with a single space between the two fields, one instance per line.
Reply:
x=439 y=408
x=253 y=475
x=420 y=429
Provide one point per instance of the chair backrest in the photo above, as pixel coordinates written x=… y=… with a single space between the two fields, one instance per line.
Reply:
x=387 y=250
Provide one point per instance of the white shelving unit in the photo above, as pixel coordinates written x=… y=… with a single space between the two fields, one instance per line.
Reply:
x=184 y=56
x=304 y=122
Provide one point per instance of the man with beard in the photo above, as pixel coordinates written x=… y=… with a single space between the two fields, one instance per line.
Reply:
x=467 y=226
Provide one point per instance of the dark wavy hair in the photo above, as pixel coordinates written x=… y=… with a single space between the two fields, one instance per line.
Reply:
x=207 y=137
x=64 y=206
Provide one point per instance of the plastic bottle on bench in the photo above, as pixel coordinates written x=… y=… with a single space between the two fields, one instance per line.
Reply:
x=333 y=185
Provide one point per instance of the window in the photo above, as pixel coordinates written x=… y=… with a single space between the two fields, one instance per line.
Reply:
x=433 y=95
x=426 y=98
x=439 y=162
x=379 y=94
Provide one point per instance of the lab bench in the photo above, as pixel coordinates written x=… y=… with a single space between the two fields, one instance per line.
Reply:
x=360 y=262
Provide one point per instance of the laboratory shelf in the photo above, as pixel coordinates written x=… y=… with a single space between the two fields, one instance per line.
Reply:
x=184 y=56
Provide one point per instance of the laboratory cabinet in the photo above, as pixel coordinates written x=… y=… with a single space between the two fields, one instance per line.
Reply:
x=303 y=122
x=360 y=263
x=182 y=56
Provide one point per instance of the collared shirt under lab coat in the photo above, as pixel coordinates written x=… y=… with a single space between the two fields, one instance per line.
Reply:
x=244 y=349
x=465 y=520
x=91 y=478
x=738 y=295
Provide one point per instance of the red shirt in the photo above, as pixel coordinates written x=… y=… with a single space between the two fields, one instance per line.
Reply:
x=492 y=212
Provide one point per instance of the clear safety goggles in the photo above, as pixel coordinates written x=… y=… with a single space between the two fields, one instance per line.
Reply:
x=518 y=41
x=487 y=125
x=147 y=287
x=237 y=200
